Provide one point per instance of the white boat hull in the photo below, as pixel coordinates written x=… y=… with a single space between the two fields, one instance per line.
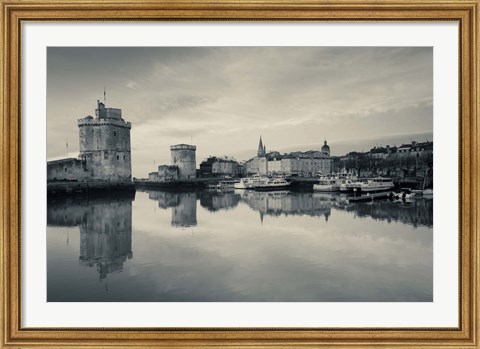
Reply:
x=322 y=188
x=240 y=185
x=374 y=188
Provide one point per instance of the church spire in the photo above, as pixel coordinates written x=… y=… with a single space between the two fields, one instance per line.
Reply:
x=261 y=148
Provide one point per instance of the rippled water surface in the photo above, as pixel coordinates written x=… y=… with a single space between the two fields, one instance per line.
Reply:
x=239 y=246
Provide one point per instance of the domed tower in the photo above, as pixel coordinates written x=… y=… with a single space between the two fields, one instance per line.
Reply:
x=105 y=144
x=325 y=149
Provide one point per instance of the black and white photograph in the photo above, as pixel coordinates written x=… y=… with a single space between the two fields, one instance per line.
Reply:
x=240 y=174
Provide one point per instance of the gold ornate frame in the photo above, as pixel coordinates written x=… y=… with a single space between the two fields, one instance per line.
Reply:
x=14 y=12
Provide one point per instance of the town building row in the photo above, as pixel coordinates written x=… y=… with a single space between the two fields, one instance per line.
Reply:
x=412 y=159
x=307 y=163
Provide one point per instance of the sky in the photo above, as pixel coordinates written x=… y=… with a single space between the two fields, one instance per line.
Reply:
x=222 y=99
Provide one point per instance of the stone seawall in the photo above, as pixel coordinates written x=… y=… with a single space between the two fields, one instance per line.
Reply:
x=87 y=188
x=197 y=183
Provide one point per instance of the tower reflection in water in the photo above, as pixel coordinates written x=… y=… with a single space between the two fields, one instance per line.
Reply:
x=183 y=205
x=105 y=229
x=418 y=212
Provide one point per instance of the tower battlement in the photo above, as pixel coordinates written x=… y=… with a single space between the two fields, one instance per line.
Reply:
x=183 y=146
x=86 y=121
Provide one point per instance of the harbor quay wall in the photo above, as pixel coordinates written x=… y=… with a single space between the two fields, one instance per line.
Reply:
x=89 y=188
x=97 y=165
x=175 y=185
x=67 y=169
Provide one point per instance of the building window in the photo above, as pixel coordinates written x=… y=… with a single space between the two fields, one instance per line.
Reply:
x=118 y=157
x=115 y=133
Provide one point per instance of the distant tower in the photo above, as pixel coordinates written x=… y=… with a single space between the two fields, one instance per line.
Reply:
x=325 y=149
x=105 y=144
x=261 y=148
x=183 y=156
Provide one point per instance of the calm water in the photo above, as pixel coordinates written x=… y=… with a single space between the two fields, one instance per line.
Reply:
x=239 y=246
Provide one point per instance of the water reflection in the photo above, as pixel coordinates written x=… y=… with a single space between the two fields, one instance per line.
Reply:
x=304 y=247
x=183 y=205
x=219 y=200
x=287 y=203
x=418 y=212
x=105 y=229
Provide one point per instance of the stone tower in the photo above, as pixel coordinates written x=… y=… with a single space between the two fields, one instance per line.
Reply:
x=105 y=145
x=183 y=156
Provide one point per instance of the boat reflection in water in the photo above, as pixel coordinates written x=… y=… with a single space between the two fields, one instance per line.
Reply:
x=418 y=212
x=287 y=203
x=236 y=246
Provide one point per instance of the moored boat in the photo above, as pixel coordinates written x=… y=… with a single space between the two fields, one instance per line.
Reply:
x=223 y=184
x=327 y=185
x=272 y=184
x=250 y=182
x=428 y=192
x=376 y=184
x=347 y=182
x=227 y=183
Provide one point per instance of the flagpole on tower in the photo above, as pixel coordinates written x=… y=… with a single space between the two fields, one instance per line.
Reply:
x=104 y=96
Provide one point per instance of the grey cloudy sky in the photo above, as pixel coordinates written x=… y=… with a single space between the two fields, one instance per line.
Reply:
x=222 y=98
